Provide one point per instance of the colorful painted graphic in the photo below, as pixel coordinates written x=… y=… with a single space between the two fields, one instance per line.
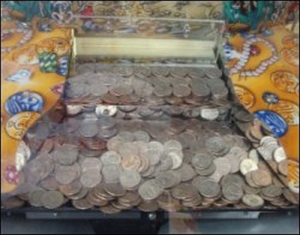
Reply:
x=266 y=81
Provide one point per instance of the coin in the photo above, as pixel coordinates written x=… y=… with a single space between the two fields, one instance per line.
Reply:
x=196 y=73
x=232 y=179
x=12 y=202
x=202 y=160
x=212 y=72
x=232 y=192
x=148 y=206
x=90 y=179
x=109 y=209
x=110 y=157
x=52 y=199
x=82 y=204
x=181 y=90
x=186 y=172
x=217 y=146
x=141 y=136
x=35 y=198
x=209 y=188
x=290 y=196
x=160 y=71
x=253 y=155
x=115 y=190
x=66 y=154
x=223 y=166
x=153 y=152
x=184 y=191
x=261 y=177
x=207 y=172
x=49 y=183
x=70 y=189
x=66 y=174
x=283 y=167
x=88 y=128
x=150 y=190
x=91 y=164
x=209 y=113
x=82 y=194
x=111 y=173
x=168 y=179
x=129 y=179
x=253 y=201
x=271 y=191
x=279 y=155
x=250 y=190
x=248 y=165
x=162 y=90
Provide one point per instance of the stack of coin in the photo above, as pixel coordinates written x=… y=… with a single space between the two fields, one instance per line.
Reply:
x=127 y=85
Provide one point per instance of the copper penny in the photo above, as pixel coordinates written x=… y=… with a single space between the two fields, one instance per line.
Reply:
x=71 y=189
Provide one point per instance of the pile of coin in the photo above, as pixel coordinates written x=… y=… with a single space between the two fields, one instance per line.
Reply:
x=125 y=85
x=130 y=112
x=173 y=165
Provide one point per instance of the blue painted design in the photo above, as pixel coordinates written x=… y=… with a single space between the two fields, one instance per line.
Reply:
x=267 y=32
x=247 y=35
x=63 y=66
x=270 y=98
x=274 y=121
x=24 y=101
x=22 y=76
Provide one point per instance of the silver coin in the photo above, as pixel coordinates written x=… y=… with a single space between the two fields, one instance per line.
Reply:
x=186 y=172
x=150 y=190
x=106 y=122
x=178 y=72
x=130 y=178
x=196 y=73
x=209 y=113
x=200 y=89
x=142 y=72
x=88 y=128
x=128 y=149
x=111 y=173
x=181 y=90
x=106 y=110
x=66 y=154
x=107 y=133
x=110 y=157
x=114 y=143
x=177 y=158
x=73 y=109
x=142 y=89
x=162 y=90
x=232 y=192
x=99 y=90
x=223 y=165
x=91 y=164
x=141 y=136
x=123 y=71
x=160 y=71
x=90 y=179
x=168 y=179
x=172 y=145
x=126 y=136
x=153 y=152
x=209 y=188
x=121 y=89
x=212 y=72
x=202 y=160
